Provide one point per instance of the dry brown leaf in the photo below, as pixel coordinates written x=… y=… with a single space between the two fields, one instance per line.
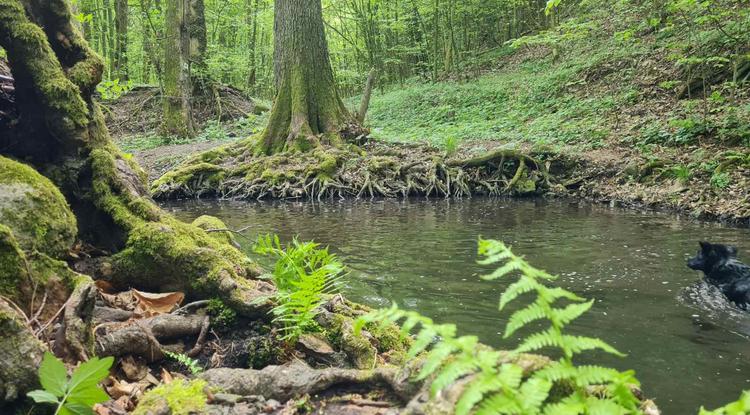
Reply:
x=150 y=304
x=101 y=410
x=122 y=388
x=123 y=300
x=134 y=369
x=166 y=377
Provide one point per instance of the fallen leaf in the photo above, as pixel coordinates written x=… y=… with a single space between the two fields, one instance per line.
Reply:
x=134 y=369
x=101 y=410
x=149 y=305
x=122 y=388
x=123 y=300
x=166 y=377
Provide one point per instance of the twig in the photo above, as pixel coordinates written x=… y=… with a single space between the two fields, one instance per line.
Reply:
x=201 y=338
x=44 y=327
x=188 y=306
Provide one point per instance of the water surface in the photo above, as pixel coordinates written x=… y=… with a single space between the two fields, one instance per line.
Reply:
x=688 y=347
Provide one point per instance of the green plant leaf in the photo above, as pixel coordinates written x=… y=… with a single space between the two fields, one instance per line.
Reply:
x=86 y=378
x=53 y=376
x=40 y=396
x=76 y=409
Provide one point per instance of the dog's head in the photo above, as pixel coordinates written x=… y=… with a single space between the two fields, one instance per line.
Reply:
x=711 y=255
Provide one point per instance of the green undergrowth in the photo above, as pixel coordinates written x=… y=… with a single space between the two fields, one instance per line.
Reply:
x=612 y=75
x=212 y=131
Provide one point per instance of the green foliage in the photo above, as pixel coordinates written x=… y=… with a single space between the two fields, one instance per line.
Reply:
x=721 y=180
x=74 y=395
x=304 y=273
x=223 y=316
x=739 y=407
x=504 y=388
x=111 y=90
x=183 y=398
x=189 y=363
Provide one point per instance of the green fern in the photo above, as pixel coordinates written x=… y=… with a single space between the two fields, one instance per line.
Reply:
x=304 y=273
x=503 y=388
x=740 y=407
x=191 y=364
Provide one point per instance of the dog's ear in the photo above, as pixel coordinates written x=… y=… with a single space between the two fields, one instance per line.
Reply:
x=732 y=251
x=706 y=247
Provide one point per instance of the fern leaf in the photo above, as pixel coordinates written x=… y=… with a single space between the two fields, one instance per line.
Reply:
x=485 y=382
x=533 y=393
x=451 y=372
x=522 y=286
x=498 y=404
x=423 y=340
x=521 y=318
x=564 y=316
x=435 y=359
x=596 y=406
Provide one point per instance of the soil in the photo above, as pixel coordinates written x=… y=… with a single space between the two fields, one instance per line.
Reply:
x=139 y=110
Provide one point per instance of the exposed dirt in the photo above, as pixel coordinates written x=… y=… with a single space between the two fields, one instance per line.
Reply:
x=139 y=111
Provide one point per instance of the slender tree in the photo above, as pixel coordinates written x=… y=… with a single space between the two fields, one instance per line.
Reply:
x=178 y=120
x=120 y=63
x=307 y=101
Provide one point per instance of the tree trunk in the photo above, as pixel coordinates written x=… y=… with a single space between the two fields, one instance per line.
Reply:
x=307 y=101
x=178 y=119
x=121 y=50
x=61 y=132
x=365 y=103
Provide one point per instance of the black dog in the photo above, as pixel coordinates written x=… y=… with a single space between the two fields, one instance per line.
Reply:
x=722 y=269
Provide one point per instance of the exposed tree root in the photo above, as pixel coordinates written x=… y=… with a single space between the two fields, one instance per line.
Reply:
x=143 y=337
x=295 y=380
x=376 y=170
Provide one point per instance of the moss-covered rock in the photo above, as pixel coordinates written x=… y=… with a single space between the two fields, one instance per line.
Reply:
x=174 y=256
x=179 y=397
x=35 y=210
x=12 y=263
x=213 y=223
x=20 y=355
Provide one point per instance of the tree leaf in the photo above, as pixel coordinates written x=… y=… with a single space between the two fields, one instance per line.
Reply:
x=52 y=375
x=86 y=378
x=40 y=396
x=76 y=409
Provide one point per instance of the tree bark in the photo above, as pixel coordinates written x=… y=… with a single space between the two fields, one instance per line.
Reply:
x=307 y=101
x=61 y=132
x=121 y=50
x=365 y=104
x=178 y=119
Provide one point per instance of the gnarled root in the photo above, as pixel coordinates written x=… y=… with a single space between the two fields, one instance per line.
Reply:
x=297 y=379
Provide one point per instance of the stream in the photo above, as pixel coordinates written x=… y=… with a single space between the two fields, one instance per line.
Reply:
x=687 y=345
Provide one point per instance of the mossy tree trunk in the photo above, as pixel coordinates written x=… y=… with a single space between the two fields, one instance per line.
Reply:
x=61 y=132
x=178 y=119
x=307 y=101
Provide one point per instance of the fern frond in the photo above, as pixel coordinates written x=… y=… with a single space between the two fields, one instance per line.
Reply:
x=521 y=318
x=522 y=286
x=498 y=404
x=482 y=384
x=533 y=393
x=451 y=372
x=435 y=359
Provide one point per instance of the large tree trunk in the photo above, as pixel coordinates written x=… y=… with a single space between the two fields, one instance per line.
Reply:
x=61 y=132
x=178 y=120
x=307 y=102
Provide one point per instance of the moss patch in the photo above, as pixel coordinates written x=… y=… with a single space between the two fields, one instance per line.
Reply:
x=177 y=398
x=207 y=222
x=35 y=210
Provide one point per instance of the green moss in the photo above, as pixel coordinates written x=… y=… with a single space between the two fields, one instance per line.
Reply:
x=35 y=210
x=207 y=222
x=210 y=172
x=165 y=254
x=12 y=263
x=180 y=396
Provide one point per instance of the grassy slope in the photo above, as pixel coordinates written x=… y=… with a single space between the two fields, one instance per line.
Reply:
x=602 y=90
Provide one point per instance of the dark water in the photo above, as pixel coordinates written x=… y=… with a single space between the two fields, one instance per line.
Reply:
x=687 y=345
